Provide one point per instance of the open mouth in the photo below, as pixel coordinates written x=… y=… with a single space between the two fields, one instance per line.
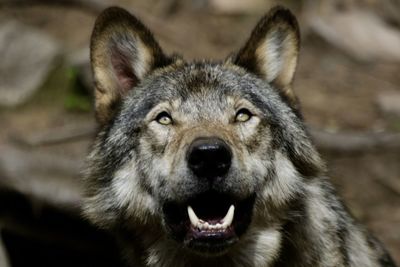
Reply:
x=209 y=223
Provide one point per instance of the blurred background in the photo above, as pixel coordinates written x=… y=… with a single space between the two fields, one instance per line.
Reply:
x=348 y=82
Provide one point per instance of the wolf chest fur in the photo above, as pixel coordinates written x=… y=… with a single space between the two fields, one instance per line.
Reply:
x=209 y=163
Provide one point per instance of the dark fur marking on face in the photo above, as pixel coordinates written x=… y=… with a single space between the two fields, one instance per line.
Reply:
x=294 y=241
x=342 y=234
x=156 y=149
x=253 y=144
x=385 y=260
x=200 y=81
x=114 y=154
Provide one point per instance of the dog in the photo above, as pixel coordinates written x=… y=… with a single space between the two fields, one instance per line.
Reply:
x=209 y=163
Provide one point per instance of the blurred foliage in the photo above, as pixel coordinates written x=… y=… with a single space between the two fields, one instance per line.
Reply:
x=78 y=97
x=395 y=125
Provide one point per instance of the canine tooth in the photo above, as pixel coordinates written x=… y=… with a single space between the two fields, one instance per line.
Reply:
x=193 y=217
x=227 y=220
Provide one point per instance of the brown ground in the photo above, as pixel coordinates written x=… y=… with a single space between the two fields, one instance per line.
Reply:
x=337 y=93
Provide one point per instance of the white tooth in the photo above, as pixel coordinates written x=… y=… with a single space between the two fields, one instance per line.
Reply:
x=193 y=217
x=227 y=220
x=203 y=225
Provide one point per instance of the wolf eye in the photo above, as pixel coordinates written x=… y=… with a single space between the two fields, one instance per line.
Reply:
x=164 y=118
x=243 y=115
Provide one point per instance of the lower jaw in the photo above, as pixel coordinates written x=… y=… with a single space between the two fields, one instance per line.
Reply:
x=210 y=243
x=210 y=248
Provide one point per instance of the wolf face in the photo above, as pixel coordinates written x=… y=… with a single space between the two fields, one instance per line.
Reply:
x=197 y=160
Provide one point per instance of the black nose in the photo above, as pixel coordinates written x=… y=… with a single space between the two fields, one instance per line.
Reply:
x=209 y=157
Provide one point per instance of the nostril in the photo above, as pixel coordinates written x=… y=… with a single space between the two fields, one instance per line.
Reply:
x=196 y=158
x=209 y=157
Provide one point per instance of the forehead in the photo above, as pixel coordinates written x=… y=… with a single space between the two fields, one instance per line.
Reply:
x=198 y=86
x=199 y=81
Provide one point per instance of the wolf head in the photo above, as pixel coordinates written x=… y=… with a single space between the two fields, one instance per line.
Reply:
x=195 y=153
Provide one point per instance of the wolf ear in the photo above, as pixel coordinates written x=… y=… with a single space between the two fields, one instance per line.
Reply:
x=271 y=51
x=122 y=53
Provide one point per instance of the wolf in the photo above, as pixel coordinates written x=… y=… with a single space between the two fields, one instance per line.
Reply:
x=209 y=163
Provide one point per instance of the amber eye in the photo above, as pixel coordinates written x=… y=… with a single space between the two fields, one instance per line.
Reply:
x=164 y=118
x=243 y=115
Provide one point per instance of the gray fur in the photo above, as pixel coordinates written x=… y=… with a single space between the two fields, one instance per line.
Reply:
x=137 y=165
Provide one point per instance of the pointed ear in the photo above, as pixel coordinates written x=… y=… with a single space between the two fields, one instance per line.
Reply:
x=122 y=53
x=271 y=51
